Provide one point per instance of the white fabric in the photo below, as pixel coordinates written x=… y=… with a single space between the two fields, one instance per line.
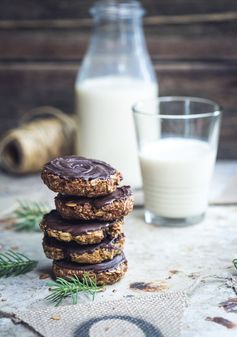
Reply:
x=151 y=315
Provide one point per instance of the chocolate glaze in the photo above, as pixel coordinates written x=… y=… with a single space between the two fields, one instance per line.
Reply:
x=74 y=167
x=54 y=221
x=99 y=267
x=74 y=247
x=121 y=193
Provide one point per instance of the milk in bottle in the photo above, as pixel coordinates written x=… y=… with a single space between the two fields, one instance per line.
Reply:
x=105 y=121
x=116 y=72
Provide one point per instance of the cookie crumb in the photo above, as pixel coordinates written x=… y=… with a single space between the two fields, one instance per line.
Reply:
x=43 y=276
x=14 y=247
x=174 y=272
x=194 y=275
x=223 y=321
x=230 y=305
x=150 y=286
x=56 y=317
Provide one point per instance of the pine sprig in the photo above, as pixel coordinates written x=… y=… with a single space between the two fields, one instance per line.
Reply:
x=235 y=263
x=14 y=264
x=28 y=216
x=62 y=288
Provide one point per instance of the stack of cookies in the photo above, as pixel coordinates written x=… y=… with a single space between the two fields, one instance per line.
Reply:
x=85 y=232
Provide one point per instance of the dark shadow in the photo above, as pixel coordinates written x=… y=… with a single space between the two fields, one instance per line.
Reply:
x=45 y=270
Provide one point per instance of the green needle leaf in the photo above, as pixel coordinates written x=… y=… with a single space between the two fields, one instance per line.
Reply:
x=14 y=264
x=235 y=263
x=28 y=215
x=62 y=288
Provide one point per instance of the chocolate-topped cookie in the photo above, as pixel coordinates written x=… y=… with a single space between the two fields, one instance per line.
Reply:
x=96 y=253
x=82 y=232
x=110 y=207
x=107 y=272
x=80 y=176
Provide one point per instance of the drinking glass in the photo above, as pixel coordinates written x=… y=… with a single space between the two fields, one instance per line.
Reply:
x=177 y=143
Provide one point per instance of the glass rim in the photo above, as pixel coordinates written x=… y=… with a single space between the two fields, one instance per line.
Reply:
x=216 y=113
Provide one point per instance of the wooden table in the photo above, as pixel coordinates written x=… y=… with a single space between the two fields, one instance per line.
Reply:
x=197 y=259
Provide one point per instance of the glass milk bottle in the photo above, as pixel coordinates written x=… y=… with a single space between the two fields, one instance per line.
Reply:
x=115 y=73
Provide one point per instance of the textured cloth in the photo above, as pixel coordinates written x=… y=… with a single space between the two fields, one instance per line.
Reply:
x=152 y=315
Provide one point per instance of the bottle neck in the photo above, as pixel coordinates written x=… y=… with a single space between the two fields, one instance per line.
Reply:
x=117 y=45
x=117 y=34
x=117 y=19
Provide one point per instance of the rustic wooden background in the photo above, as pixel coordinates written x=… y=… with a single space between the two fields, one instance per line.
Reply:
x=192 y=43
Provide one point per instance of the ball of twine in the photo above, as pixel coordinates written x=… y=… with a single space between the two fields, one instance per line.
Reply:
x=45 y=133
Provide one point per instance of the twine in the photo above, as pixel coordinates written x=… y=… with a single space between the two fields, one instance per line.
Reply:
x=45 y=133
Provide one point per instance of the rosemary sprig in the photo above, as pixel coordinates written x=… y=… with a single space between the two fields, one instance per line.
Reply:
x=14 y=264
x=62 y=288
x=28 y=215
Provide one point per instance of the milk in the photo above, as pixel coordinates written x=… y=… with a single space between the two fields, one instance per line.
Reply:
x=176 y=176
x=106 y=129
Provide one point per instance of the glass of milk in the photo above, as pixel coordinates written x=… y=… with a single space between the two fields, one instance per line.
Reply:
x=177 y=141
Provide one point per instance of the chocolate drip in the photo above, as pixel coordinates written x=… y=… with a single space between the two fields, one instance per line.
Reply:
x=74 y=247
x=79 y=168
x=99 y=267
x=122 y=193
x=54 y=221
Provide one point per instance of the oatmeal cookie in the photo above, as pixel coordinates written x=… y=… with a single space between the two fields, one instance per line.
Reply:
x=80 y=176
x=110 y=207
x=107 y=272
x=96 y=253
x=82 y=232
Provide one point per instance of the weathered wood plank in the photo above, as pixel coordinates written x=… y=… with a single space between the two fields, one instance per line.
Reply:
x=23 y=87
x=64 y=9
x=150 y=21
x=211 y=26
x=43 y=45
